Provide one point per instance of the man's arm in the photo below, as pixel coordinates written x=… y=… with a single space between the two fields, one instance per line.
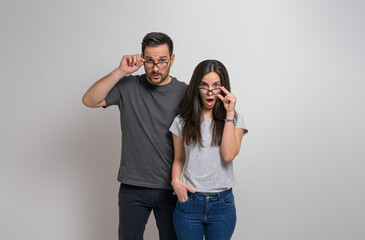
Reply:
x=95 y=96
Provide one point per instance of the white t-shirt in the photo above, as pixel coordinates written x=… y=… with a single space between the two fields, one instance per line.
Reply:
x=204 y=169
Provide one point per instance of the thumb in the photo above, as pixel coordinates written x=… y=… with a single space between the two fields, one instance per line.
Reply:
x=221 y=97
x=190 y=189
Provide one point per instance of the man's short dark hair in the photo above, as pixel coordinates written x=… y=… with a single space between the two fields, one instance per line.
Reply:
x=157 y=38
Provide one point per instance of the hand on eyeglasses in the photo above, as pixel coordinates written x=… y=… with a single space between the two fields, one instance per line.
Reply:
x=229 y=102
x=130 y=63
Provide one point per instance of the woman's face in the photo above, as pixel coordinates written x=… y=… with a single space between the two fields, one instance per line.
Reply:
x=208 y=89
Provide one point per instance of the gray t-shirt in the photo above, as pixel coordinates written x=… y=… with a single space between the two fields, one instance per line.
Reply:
x=204 y=169
x=146 y=113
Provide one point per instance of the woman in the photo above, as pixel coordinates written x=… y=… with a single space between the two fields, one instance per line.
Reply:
x=207 y=136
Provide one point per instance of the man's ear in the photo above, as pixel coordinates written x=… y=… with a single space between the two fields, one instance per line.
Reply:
x=172 y=58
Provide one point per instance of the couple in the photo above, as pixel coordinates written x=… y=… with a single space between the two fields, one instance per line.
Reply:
x=178 y=143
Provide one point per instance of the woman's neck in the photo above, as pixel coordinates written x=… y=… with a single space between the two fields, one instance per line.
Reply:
x=206 y=113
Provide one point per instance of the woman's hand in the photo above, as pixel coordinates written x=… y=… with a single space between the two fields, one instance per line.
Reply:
x=181 y=190
x=229 y=102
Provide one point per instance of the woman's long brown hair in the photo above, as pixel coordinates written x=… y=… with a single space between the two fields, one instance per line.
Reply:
x=191 y=105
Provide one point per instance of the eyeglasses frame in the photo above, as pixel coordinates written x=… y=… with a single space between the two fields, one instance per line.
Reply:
x=156 y=64
x=210 y=90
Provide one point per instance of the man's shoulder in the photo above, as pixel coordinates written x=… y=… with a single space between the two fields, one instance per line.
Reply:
x=134 y=77
x=130 y=80
x=179 y=83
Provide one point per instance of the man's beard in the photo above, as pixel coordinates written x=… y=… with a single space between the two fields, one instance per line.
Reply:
x=161 y=80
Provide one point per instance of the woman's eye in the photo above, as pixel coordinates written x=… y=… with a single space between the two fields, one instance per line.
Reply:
x=217 y=85
x=203 y=85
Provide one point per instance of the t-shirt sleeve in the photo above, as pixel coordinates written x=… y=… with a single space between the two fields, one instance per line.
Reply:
x=114 y=97
x=176 y=127
x=240 y=123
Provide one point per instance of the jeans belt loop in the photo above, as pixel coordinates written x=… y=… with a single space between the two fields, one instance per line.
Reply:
x=219 y=196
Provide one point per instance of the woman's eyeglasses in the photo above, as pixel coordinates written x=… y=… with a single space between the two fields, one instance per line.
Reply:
x=214 y=91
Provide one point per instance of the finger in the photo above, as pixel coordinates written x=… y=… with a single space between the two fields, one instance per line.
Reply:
x=232 y=96
x=225 y=90
x=140 y=56
x=189 y=188
x=135 y=60
x=230 y=99
x=182 y=197
x=128 y=60
x=221 y=97
x=139 y=60
x=226 y=100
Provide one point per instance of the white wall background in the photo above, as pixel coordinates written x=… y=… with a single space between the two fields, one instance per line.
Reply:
x=297 y=68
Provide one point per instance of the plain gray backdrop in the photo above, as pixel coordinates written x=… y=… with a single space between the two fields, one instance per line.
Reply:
x=296 y=67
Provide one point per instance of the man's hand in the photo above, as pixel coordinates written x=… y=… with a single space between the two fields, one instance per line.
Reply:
x=130 y=63
x=95 y=96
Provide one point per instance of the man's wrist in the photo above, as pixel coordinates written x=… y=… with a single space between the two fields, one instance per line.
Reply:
x=120 y=73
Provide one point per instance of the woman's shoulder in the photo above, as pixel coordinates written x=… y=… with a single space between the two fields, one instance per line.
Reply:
x=240 y=122
x=178 y=119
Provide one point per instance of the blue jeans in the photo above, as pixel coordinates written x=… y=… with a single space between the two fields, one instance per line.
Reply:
x=209 y=214
x=135 y=206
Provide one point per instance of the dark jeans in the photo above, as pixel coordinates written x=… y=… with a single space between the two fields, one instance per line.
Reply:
x=135 y=205
x=209 y=214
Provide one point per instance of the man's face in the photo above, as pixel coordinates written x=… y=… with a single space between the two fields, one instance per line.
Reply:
x=157 y=64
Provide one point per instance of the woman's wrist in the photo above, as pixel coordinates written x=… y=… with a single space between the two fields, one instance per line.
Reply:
x=230 y=115
x=174 y=181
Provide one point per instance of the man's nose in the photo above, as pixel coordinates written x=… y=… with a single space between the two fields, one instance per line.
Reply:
x=155 y=68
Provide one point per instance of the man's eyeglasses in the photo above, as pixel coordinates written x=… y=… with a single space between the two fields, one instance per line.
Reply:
x=160 y=65
x=214 y=91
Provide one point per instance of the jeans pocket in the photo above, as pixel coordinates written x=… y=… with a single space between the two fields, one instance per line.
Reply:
x=228 y=200
x=187 y=200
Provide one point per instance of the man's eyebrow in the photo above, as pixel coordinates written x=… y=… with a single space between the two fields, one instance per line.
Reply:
x=163 y=57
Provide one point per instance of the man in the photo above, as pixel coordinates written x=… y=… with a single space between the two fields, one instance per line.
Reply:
x=148 y=104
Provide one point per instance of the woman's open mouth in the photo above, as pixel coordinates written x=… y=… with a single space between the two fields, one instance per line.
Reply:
x=210 y=101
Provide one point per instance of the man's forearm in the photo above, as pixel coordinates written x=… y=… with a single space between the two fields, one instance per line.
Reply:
x=100 y=89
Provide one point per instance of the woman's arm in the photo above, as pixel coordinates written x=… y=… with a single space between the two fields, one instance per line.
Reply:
x=180 y=187
x=232 y=137
x=231 y=141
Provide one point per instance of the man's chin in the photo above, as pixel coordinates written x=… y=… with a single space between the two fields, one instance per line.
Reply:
x=156 y=81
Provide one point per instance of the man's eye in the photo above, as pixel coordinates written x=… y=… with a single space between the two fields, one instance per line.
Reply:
x=162 y=61
x=149 y=61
